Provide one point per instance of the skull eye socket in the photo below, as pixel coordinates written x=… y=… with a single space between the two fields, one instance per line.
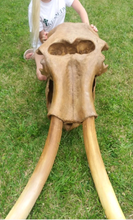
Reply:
x=80 y=47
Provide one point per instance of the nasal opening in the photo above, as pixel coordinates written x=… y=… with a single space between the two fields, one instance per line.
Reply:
x=78 y=46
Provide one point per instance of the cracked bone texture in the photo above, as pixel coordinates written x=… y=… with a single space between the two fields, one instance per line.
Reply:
x=72 y=60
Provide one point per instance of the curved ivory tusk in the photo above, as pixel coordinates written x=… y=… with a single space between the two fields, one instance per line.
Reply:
x=33 y=188
x=104 y=188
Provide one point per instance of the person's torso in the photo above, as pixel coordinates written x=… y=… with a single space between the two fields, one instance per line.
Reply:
x=52 y=14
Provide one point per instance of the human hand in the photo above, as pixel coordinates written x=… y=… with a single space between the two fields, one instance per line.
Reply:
x=43 y=35
x=94 y=28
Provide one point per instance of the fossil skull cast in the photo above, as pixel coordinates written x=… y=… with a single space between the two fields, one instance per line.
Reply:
x=72 y=60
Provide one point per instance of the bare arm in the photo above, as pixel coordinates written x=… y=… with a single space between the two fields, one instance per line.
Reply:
x=78 y=7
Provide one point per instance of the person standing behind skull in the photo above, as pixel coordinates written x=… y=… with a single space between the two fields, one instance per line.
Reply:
x=44 y=15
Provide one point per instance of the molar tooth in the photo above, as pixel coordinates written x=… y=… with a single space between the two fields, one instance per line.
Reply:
x=43 y=62
x=105 y=67
x=41 y=70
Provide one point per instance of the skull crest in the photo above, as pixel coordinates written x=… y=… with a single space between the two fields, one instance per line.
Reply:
x=71 y=64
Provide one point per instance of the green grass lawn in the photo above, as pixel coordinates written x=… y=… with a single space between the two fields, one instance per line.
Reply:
x=69 y=191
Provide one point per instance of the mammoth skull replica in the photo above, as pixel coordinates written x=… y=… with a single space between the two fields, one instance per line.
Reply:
x=72 y=60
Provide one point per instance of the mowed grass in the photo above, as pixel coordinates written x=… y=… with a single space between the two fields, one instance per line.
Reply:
x=69 y=192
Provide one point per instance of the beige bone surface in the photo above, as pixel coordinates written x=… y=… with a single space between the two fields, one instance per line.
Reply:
x=104 y=188
x=72 y=60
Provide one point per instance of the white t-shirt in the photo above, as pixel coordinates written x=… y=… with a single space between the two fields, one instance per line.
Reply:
x=51 y=14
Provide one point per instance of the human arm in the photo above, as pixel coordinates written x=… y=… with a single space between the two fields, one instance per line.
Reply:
x=78 y=7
